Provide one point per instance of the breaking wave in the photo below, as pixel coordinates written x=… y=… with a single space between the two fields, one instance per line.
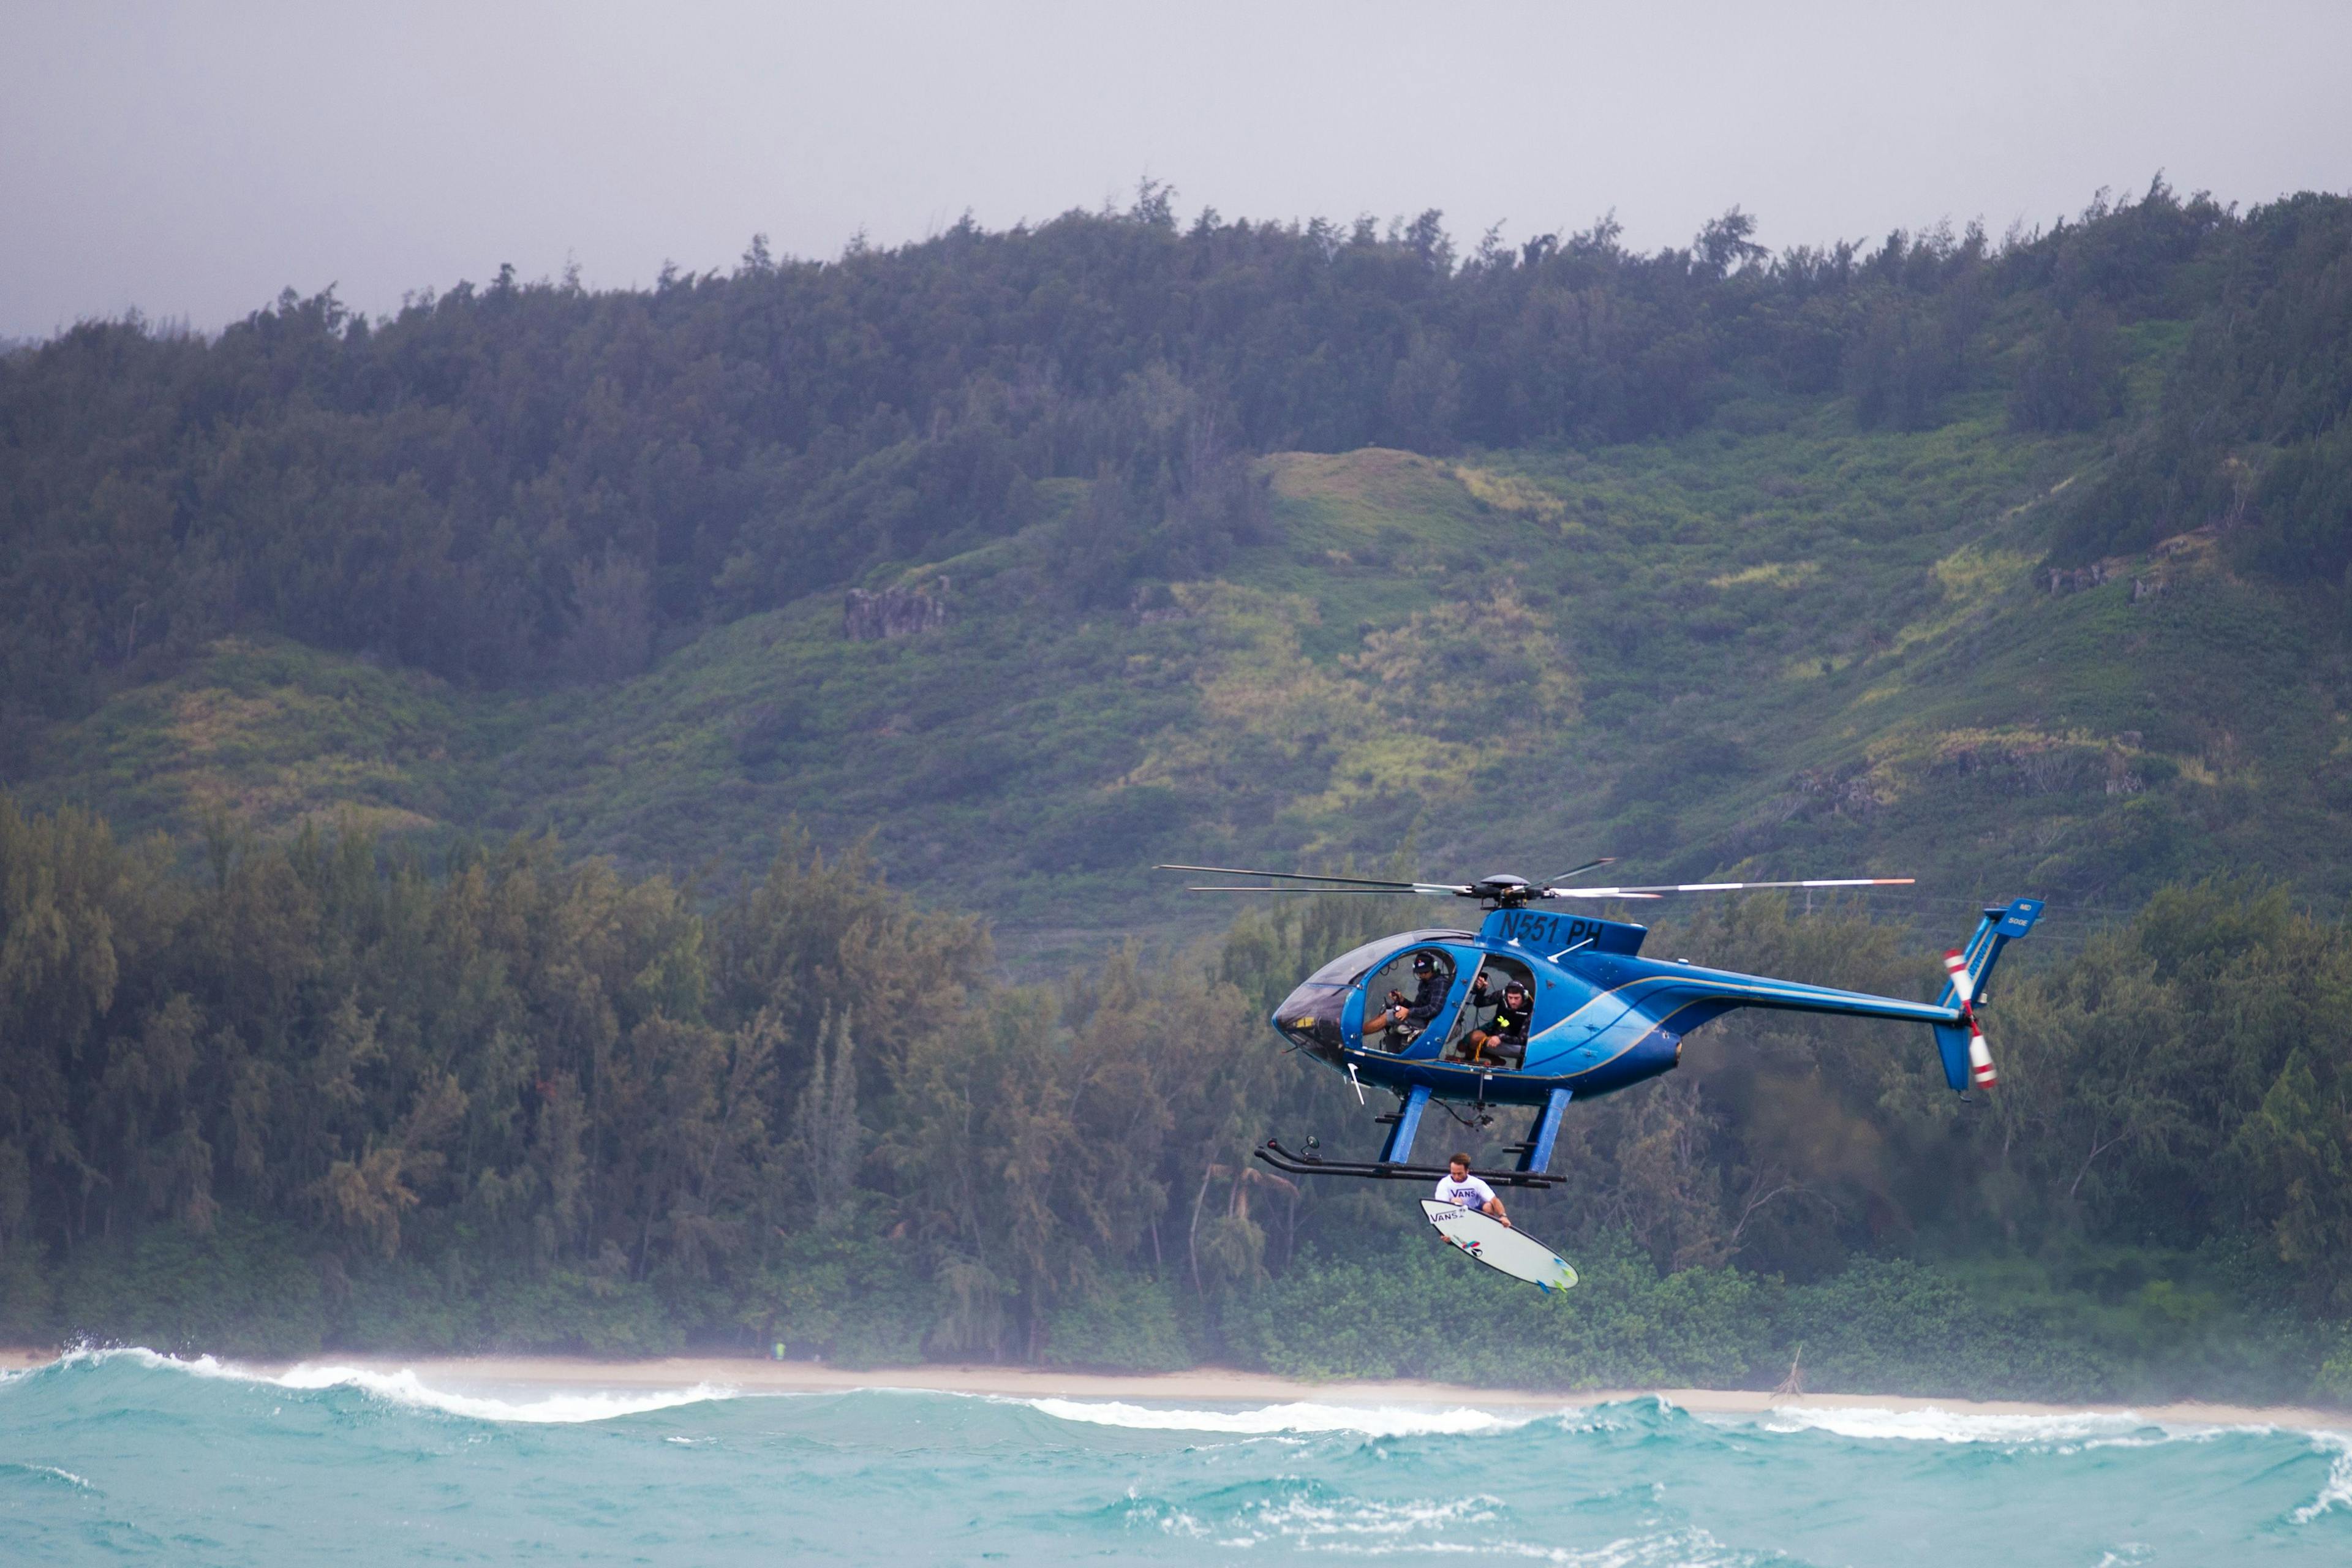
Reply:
x=404 y=1387
x=1380 y=1421
x=134 y=1456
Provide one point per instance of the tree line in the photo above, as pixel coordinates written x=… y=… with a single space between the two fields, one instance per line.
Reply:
x=533 y=481
x=271 y=1096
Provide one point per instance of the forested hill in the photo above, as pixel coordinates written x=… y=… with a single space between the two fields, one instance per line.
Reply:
x=1043 y=554
x=1705 y=557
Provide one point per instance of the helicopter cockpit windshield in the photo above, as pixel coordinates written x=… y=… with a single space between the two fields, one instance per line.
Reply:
x=1310 y=1016
x=1313 y=1016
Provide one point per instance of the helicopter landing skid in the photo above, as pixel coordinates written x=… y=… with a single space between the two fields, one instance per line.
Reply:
x=1313 y=1164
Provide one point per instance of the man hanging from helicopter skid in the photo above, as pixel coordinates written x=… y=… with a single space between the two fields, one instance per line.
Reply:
x=1459 y=1189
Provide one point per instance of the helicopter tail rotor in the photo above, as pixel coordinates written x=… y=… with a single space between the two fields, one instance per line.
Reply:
x=1963 y=983
x=1968 y=1060
x=1980 y=1071
x=1964 y=989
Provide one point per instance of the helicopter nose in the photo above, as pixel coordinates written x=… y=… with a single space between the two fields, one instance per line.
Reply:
x=1309 y=1018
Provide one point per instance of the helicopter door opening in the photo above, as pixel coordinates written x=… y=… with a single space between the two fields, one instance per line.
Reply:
x=1478 y=1017
x=1399 y=988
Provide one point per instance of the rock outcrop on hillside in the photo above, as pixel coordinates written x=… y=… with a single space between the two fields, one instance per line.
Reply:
x=872 y=617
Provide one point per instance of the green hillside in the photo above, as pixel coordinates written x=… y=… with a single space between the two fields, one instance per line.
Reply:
x=1808 y=649
x=1269 y=541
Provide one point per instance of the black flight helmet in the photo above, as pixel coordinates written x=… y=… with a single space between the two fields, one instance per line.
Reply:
x=1516 y=988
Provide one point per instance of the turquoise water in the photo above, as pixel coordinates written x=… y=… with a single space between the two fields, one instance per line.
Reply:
x=126 y=1456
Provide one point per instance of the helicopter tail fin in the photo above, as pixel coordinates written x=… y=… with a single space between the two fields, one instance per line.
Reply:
x=1965 y=1059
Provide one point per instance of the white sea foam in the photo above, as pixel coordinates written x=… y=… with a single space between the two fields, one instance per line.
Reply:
x=1689 y=1547
x=1371 y=1421
x=2066 y=1431
x=195 y=1366
x=81 y=1481
x=404 y=1387
x=2087 y=1428
x=1300 y=1518
x=1444 y=1527
x=1932 y=1425
x=1166 y=1518
x=1466 y=1527
x=2338 y=1492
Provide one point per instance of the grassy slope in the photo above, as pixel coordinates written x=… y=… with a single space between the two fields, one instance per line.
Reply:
x=1779 y=644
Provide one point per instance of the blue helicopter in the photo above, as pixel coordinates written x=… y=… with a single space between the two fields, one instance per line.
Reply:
x=1416 y=1012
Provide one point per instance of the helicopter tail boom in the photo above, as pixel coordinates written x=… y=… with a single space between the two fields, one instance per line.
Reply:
x=1681 y=998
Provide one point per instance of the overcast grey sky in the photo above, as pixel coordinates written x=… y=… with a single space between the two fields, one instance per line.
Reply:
x=192 y=160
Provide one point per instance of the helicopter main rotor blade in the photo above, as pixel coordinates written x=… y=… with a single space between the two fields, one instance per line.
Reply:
x=1581 y=870
x=1663 y=888
x=1400 y=891
x=1303 y=876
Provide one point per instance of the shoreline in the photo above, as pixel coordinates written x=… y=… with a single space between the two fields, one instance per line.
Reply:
x=750 y=1374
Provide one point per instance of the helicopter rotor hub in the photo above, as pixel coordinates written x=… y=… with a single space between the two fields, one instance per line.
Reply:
x=1503 y=892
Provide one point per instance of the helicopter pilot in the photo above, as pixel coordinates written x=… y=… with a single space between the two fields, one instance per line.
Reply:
x=1506 y=1034
x=1431 y=984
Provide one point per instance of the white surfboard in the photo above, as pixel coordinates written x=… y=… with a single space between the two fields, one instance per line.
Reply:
x=1498 y=1245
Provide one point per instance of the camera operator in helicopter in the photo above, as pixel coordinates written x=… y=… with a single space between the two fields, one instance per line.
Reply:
x=1504 y=1035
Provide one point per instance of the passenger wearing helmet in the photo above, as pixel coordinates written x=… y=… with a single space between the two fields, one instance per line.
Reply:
x=1506 y=1034
x=1431 y=982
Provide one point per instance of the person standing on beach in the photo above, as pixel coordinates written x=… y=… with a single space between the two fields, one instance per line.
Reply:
x=1462 y=1190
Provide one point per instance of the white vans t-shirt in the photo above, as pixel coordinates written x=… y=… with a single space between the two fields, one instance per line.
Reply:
x=1469 y=1193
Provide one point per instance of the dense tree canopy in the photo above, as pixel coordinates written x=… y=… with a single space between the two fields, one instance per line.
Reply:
x=521 y=480
x=524 y=1101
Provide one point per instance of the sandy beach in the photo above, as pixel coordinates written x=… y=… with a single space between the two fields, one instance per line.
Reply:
x=753 y=1375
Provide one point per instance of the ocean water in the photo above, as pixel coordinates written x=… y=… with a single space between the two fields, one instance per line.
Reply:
x=125 y=1455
